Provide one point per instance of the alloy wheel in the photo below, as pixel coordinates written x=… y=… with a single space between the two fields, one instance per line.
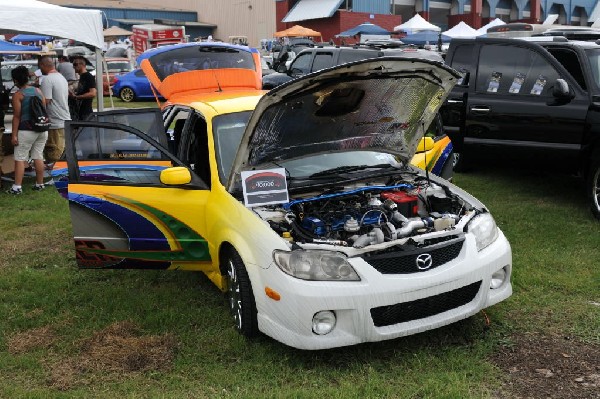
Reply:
x=235 y=299
x=127 y=94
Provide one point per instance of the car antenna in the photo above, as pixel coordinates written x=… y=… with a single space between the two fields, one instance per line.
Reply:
x=217 y=80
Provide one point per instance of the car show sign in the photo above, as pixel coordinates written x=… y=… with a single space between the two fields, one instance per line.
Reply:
x=264 y=187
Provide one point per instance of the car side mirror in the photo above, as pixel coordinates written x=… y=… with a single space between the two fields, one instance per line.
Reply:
x=425 y=144
x=176 y=176
x=561 y=94
x=282 y=68
x=561 y=89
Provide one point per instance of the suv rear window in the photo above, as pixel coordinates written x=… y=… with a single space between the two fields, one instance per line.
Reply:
x=322 y=60
x=356 y=55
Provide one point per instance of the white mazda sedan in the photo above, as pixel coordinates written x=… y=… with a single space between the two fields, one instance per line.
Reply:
x=300 y=203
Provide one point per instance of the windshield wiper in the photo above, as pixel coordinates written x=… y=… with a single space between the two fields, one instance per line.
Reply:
x=347 y=169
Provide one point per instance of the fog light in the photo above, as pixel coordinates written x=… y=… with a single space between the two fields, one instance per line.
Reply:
x=323 y=322
x=498 y=278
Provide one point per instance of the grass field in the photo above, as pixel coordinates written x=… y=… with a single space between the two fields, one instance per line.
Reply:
x=66 y=333
x=118 y=103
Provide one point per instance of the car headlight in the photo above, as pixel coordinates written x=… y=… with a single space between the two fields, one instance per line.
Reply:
x=484 y=228
x=315 y=265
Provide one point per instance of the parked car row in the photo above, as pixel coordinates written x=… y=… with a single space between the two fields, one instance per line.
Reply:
x=114 y=67
x=6 y=72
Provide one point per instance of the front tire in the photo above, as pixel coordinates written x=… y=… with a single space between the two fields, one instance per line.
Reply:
x=127 y=94
x=593 y=187
x=240 y=295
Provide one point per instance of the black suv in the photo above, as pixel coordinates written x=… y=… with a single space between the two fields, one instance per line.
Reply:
x=533 y=96
x=317 y=58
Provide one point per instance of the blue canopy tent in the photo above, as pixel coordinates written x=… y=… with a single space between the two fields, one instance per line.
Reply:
x=11 y=48
x=365 y=28
x=425 y=37
x=31 y=38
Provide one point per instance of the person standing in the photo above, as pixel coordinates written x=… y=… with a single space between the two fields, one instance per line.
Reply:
x=85 y=93
x=4 y=105
x=66 y=69
x=28 y=144
x=55 y=89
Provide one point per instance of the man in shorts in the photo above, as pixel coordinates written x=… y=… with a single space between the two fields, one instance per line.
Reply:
x=55 y=88
x=28 y=144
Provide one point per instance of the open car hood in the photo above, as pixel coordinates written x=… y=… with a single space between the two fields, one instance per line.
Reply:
x=382 y=105
x=201 y=67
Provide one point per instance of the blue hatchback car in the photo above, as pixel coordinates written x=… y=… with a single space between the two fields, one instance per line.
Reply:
x=132 y=86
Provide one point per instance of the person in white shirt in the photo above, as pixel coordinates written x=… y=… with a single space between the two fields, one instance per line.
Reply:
x=66 y=68
x=55 y=88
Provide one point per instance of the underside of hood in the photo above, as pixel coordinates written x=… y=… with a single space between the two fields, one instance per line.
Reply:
x=193 y=68
x=382 y=105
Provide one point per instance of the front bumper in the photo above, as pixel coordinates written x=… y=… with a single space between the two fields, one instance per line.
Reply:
x=377 y=307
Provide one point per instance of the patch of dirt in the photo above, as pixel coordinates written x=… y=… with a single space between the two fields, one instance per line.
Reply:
x=549 y=367
x=116 y=351
x=26 y=341
x=25 y=240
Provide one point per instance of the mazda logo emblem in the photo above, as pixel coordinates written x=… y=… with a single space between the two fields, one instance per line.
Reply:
x=424 y=261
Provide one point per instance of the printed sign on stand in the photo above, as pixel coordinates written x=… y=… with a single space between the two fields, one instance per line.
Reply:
x=264 y=187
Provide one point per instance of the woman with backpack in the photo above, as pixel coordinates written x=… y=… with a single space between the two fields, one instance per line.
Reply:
x=29 y=144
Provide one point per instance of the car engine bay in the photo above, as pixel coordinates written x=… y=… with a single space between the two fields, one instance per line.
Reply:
x=360 y=215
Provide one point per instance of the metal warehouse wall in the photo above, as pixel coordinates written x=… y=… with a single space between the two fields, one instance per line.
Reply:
x=124 y=13
x=371 y=6
x=252 y=18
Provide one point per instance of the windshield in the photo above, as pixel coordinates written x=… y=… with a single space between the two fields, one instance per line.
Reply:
x=121 y=66
x=116 y=52
x=7 y=70
x=228 y=130
x=593 y=56
x=316 y=164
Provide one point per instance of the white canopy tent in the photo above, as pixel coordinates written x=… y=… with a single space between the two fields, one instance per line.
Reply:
x=461 y=30
x=484 y=28
x=416 y=24
x=34 y=16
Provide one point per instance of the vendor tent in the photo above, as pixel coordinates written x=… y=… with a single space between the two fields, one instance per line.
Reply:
x=115 y=31
x=425 y=37
x=30 y=38
x=366 y=28
x=34 y=16
x=484 y=28
x=461 y=30
x=48 y=19
x=11 y=48
x=416 y=24
x=298 y=31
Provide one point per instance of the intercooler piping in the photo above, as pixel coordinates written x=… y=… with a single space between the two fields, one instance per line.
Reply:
x=345 y=193
x=413 y=225
x=376 y=236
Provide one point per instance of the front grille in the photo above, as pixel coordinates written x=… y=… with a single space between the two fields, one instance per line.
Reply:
x=405 y=262
x=426 y=307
